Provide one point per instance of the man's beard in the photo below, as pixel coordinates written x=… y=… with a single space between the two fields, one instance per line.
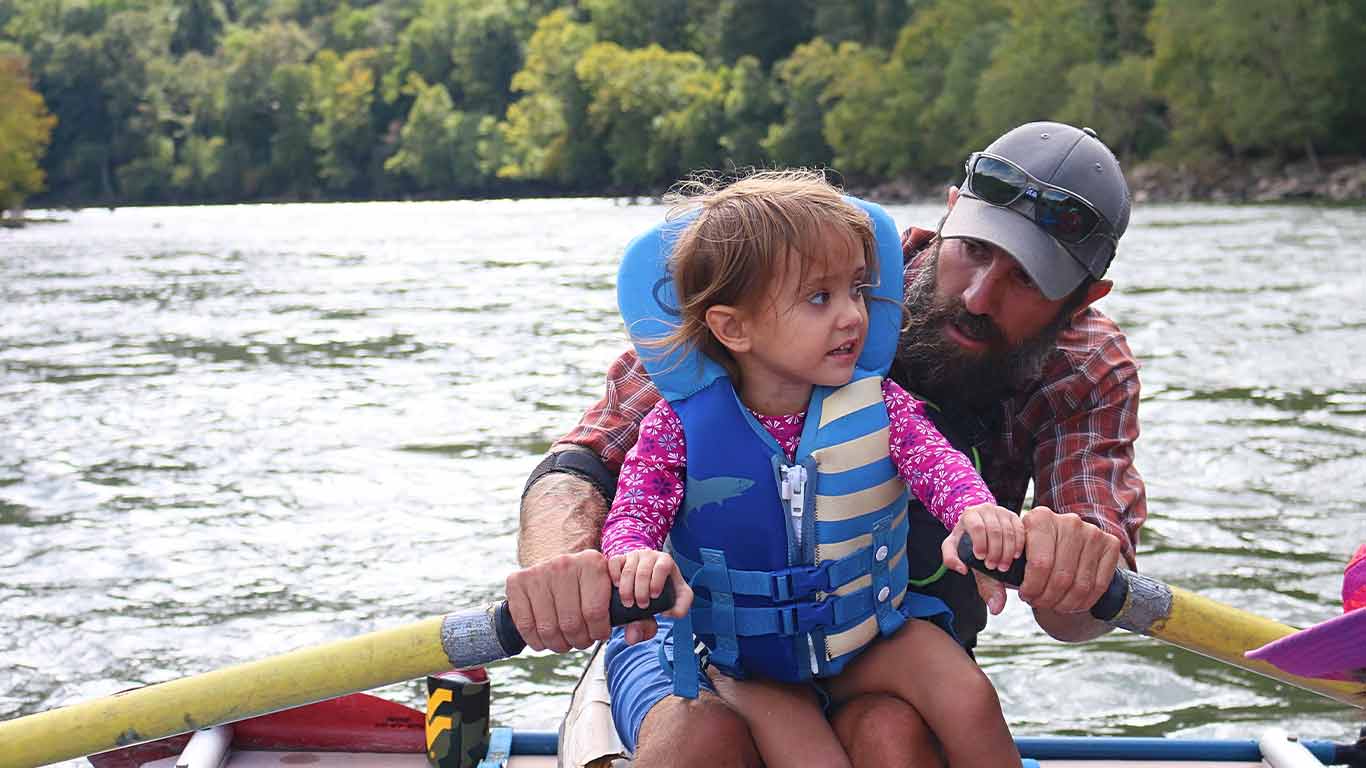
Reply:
x=939 y=369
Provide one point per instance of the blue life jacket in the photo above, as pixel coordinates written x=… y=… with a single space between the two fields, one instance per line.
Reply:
x=798 y=565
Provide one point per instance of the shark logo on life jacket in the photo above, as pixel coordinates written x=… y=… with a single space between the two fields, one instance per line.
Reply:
x=712 y=490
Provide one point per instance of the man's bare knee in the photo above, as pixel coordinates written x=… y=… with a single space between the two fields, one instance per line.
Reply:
x=699 y=732
x=883 y=730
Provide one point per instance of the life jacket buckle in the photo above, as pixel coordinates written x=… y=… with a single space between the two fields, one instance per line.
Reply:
x=800 y=582
x=803 y=617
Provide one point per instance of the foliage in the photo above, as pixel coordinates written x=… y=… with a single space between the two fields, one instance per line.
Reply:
x=25 y=127
x=187 y=100
x=635 y=97
x=546 y=134
x=1254 y=74
x=439 y=145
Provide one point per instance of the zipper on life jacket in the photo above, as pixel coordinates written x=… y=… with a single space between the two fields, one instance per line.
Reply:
x=794 y=493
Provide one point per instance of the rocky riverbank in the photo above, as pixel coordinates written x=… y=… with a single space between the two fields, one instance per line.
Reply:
x=1337 y=180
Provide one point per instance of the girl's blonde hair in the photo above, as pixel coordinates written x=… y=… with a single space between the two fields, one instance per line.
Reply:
x=742 y=238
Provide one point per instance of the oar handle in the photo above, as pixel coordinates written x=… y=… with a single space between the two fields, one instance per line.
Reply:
x=1106 y=608
x=617 y=614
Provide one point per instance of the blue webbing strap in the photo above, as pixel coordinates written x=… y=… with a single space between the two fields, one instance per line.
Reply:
x=725 y=648
x=889 y=619
x=793 y=618
x=796 y=582
x=684 y=666
x=500 y=749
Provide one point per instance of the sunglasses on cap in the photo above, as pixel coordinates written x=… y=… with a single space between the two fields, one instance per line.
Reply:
x=1065 y=215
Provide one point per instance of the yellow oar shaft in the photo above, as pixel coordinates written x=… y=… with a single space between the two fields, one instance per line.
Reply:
x=1216 y=630
x=226 y=695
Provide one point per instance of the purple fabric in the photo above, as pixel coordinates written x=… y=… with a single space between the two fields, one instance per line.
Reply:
x=1334 y=649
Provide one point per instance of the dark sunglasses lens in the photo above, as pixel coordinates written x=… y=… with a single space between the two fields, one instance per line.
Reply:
x=1064 y=216
x=996 y=182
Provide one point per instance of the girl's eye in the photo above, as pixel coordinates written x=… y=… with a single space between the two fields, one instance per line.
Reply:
x=1023 y=278
x=819 y=298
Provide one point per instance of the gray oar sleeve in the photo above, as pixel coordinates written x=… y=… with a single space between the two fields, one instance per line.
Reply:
x=470 y=638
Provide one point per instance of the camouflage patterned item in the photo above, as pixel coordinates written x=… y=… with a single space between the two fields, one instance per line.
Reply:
x=457 y=718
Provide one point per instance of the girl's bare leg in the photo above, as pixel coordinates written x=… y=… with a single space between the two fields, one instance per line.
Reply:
x=923 y=665
x=785 y=720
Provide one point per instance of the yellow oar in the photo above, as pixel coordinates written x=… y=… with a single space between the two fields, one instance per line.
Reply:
x=1182 y=618
x=455 y=641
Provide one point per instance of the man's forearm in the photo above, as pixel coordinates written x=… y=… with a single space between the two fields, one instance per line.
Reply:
x=562 y=513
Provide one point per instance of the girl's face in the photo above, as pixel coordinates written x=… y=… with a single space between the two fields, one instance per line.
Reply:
x=810 y=326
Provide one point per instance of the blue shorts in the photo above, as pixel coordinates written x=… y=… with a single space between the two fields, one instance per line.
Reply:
x=637 y=680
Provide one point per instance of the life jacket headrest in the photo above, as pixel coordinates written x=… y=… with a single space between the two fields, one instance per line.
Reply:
x=649 y=305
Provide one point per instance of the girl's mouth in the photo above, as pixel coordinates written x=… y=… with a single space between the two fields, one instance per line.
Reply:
x=846 y=348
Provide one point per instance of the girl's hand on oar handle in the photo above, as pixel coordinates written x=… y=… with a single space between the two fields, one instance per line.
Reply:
x=642 y=576
x=563 y=602
x=998 y=538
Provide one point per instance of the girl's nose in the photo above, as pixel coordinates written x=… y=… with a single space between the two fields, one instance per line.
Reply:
x=852 y=313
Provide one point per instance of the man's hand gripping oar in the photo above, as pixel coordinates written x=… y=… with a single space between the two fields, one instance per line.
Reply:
x=1173 y=615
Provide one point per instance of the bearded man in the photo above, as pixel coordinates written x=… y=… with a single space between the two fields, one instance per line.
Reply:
x=1023 y=375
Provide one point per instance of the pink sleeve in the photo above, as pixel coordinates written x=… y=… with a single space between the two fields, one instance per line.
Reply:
x=938 y=474
x=649 y=487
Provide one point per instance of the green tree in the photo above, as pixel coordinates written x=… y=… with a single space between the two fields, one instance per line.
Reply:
x=25 y=129
x=348 y=28
x=197 y=26
x=803 y=79
x=91 y=61
x=267 y=107
x=473 y=47
x=632 y=96
x=1118 y=102
x=669 y=24
x=439 y=146
x=487 y=52
x=189 y=99
x=344 y=134
x=768 y=30
x=751 y=104
x=866 y=22
x=1027 y=77
x=546 y=133
x=857 y=125
x=1270 y=77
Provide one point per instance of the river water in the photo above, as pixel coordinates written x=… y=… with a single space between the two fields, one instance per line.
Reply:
x=232 y=431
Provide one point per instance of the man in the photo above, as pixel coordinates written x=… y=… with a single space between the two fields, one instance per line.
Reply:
x=1024 y=375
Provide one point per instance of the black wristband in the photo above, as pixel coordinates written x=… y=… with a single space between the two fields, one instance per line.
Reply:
x=581 y=463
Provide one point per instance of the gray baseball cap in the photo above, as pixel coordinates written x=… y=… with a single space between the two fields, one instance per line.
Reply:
x=1063 y=156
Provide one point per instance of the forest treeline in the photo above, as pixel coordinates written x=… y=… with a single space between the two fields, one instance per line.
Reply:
x=166 y=101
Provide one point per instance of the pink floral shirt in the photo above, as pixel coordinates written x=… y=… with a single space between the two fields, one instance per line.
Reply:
x=650 y=486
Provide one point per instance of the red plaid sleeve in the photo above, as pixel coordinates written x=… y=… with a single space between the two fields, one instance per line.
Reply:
x=610 y=427
x=1084 y=449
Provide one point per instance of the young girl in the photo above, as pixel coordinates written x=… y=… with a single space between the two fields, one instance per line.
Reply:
x=777 y=465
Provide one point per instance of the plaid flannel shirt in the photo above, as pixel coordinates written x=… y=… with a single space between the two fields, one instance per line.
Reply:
x=1072 y=432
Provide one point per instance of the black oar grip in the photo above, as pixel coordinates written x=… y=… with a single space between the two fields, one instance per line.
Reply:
x=617 y=614
x=1107 y=607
